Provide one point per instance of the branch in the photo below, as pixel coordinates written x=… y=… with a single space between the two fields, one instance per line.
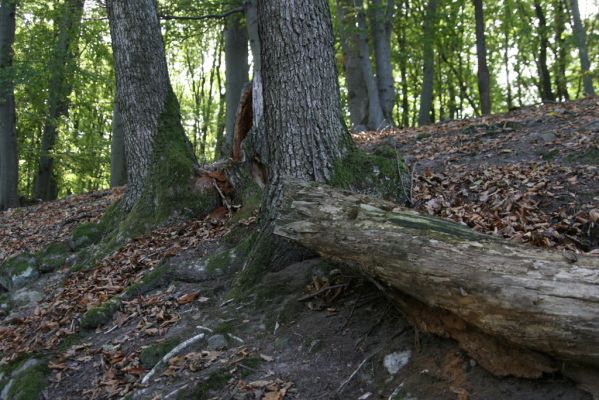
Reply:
x=201 y=17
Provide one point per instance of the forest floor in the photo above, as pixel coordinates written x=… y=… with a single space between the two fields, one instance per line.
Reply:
x=307 y=330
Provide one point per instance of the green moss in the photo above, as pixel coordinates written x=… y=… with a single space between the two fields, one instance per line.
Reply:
x=216 y=380
x=85 y=235
x=225 y=327
x=590 y=156
x=100 y=315
x=152 y=280
x=168 y=193
x=370 y=174
x=150 y=356
x=53 y=256
x=69 y=341
x=17 y=271
x=550 y=155
x=30 y=383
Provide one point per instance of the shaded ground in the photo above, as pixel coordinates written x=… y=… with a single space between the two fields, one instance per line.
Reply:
x=308 y=331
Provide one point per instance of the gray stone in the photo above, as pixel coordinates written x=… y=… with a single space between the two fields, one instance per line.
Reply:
x=6 y=389
x=217 y=342
x=23 y=297
x=32 y=362
x=395 y=361
x=18 y=271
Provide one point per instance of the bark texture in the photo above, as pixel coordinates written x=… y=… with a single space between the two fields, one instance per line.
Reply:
x=8 y=136
x=428 y=70
x=527 y=299
x=237 y=69
x=484 y=82
x=381 y=17
x=583 y=53
x=544 y=75
x=303 y=123
x=118 y=164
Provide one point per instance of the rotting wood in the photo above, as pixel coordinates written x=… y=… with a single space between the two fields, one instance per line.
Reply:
x=513 y=308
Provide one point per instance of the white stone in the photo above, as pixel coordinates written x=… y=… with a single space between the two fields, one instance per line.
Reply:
x=395 y=361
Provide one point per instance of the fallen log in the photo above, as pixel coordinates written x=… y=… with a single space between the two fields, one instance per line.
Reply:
x=516 y=309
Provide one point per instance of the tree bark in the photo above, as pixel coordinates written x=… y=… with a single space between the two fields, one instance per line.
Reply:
x=544 y=75
x=357 y=92
x=160 y=160
x=529 y=300
x=484 y=82
x=303 y=122
x=381 y=17
x=118 y=163
x=583 y=53
x=428 y=70
x=237 y=69
x=61 y=69
x=8 y=136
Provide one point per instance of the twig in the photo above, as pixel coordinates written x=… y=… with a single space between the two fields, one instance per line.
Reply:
x=348 y=380
x=174 y=392
x=326 y=289
x=201 y=17
x=170 y=354
x=222 y=196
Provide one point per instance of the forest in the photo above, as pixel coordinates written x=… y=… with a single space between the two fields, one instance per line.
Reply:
x=270 y=199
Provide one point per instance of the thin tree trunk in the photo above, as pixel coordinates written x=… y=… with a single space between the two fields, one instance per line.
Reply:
x=506 y=46
x=583 y=52
x=381 y=17
x=376 y=118
x=357 y=92
x=303 y=121
x=237 y=70
x=8 y=136
x=560 y=51
x=428 y=70
x=484 y=83
x=118 y=163
x=403 y=66
x=544 y=75
x=61 y=69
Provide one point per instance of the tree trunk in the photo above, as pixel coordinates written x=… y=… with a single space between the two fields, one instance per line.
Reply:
x=160 y=159
x=303 y=121
x=376 y=118
x=455 y=282
x=544 y=75
x=61 y=68
x=237 y=69
x=583 y=53
x=381 y=17
x=8 y=136
x=428 y=70
x=357 y=92
x=560 y=51
x=484 y=88
x=118 y=163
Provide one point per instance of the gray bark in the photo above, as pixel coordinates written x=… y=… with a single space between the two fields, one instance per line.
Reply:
x=484 y=83
x=457 y=282
x=8 y=137
x=237 y=69
x=143 y=94
x=381 y=17
x=376 y=117
x=428 y=70
x=357 y=93
x=583 y=52
x=61 y=69
x=118 y=164
x=303 y=122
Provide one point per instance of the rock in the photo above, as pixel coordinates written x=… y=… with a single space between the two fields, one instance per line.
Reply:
x=32 y=362
x=217 y=342
x=24 y=296
x=395 y=361
x=85 y=235
x=6 y=389
x=18 y=271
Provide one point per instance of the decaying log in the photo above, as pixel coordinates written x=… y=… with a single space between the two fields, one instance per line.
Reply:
x=516 y=309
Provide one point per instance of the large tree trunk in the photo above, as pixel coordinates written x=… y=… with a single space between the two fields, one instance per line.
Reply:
x=484 y=83
x=544 y=75
x=61 y=69
x=583 y=52
x=428 y=70
x=303 y=122
x=160 y=160
x=381 y=17
x=528 y=302
x=357 y=92
x=8 y=137
x=237 y=69
x=118 y=163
